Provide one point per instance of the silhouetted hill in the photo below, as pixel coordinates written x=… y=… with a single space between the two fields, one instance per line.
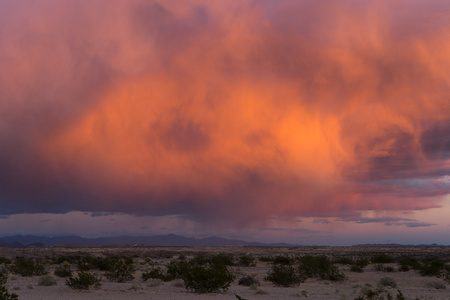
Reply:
x=157 y=240
x=398 y=245
x=4 y=244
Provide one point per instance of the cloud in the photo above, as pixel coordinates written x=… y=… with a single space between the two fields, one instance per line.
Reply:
x=418 y=224
x=389 y=221
x=224 y=112
x=293 y=230
x=321 y=221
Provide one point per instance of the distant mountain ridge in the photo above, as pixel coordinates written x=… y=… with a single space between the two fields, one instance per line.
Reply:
x=18 y=241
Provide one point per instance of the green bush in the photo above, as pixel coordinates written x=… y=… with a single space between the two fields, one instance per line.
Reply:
x=121 y=270
x=248 y=280
x=437 y=285
x=284 y=275
x=319 y=266
x=4 y=260
x=176 y=268
x=63 y=270
x=209 y=276
x=432 y=268
x=359 y=265
x=222 y=259
x=27 y=267
x=282 y=260
x=266 y=259
x=383 y=268
x=156 y=273
x=343 y=260
x=367 y=293
x=382 y=258
x=4 y=294
x=246 y=261
x=387 y=281
x=83 y=281
x=408 y=263
x=47 y=280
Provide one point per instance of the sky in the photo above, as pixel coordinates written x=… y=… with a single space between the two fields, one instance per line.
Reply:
x=309 y=122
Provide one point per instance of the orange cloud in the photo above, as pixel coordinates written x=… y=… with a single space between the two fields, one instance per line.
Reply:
x=225 y=111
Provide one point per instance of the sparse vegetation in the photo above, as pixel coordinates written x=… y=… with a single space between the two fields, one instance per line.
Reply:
x=383 y=268
x=387 y=281
x=176 y=268
x=121 y=270
x=47 y=280
x=432 y=267
x=4 y=293
x=437 y=285
x=4 y=260
x=246 y=261
x=359 y=265
x=155 y=273
x=382 y=258
x=83 y=281
x=284 y=275
x=27 y=267
x=282 y=260
x=320 y=267
x=206 y=275
x=248 y=280
x=63 y=270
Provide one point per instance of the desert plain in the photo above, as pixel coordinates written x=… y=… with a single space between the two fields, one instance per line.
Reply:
x=411 y=283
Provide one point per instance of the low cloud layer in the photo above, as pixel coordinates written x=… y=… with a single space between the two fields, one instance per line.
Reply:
x=225 y=112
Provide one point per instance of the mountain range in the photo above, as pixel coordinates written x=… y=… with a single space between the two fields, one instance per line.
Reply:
x=18 y=241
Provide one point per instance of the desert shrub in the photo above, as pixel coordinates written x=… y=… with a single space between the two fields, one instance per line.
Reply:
x=282 y=260
x=432 y=268
x=400 y=295
x=176 y=268
x=209 y=276
x=63 y=270
x=121 y=270
x=382 y=258
x=246 y=261
x=383 y=268
x=407 y=263
x=248 y=280
x=155 y=273
x=4 y=260
x=367 y=293
x=343 y=260
x=71 y=259
x=87 y=263
x=222 y=259
x=83 y=281
x=319 y=266
x=388 y=269
x=284 y=275
x=4 y=293
x=403 y=268
x=27 y=267
x=359 y=265
x=47 y=280
x=436 y=285
x=266 y=259
x=387 y=281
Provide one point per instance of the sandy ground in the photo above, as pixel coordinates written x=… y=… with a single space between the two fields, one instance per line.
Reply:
x=413 y=285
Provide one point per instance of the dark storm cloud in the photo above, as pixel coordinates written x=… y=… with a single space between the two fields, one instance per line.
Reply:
x=389 y=221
